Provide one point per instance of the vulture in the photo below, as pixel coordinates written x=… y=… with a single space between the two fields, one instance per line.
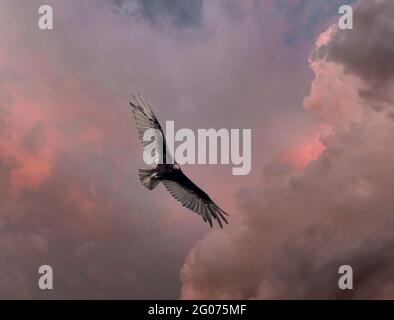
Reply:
x=170 y=174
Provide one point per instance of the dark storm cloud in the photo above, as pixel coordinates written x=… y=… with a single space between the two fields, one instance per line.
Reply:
x=367 y=51
x=186 y=13
x=304 y=15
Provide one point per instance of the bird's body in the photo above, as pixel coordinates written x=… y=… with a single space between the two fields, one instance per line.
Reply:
x=170 y=174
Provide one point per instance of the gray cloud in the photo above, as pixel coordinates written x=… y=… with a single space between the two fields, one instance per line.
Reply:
x=367 y=51
x=184 y=14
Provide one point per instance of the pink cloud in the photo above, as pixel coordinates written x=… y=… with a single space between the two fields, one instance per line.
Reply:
x=69 y=153
x=297 y=229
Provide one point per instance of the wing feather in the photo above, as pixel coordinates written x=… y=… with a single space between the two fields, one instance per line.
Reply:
x=190 y=199
x=145 y=119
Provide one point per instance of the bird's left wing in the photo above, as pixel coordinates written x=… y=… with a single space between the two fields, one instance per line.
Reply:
x=192 y=197
x=145 y=119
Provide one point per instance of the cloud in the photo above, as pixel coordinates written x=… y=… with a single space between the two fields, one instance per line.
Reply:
x=69 y=153
x=367 y=51
x=295 y=230
x=70 y=196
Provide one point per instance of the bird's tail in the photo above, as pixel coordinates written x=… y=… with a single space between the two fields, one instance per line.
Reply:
x=148 y=178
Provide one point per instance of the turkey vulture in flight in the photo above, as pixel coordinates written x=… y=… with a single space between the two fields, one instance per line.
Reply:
x=171 y=175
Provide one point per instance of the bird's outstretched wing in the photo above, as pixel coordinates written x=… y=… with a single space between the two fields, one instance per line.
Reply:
x=145 y=119
x=192 y=197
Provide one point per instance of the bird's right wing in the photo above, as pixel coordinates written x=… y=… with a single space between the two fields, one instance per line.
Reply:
x=145 y=119
x=192 y=197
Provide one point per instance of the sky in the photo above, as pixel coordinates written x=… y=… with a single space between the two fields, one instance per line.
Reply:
x=319 y=102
